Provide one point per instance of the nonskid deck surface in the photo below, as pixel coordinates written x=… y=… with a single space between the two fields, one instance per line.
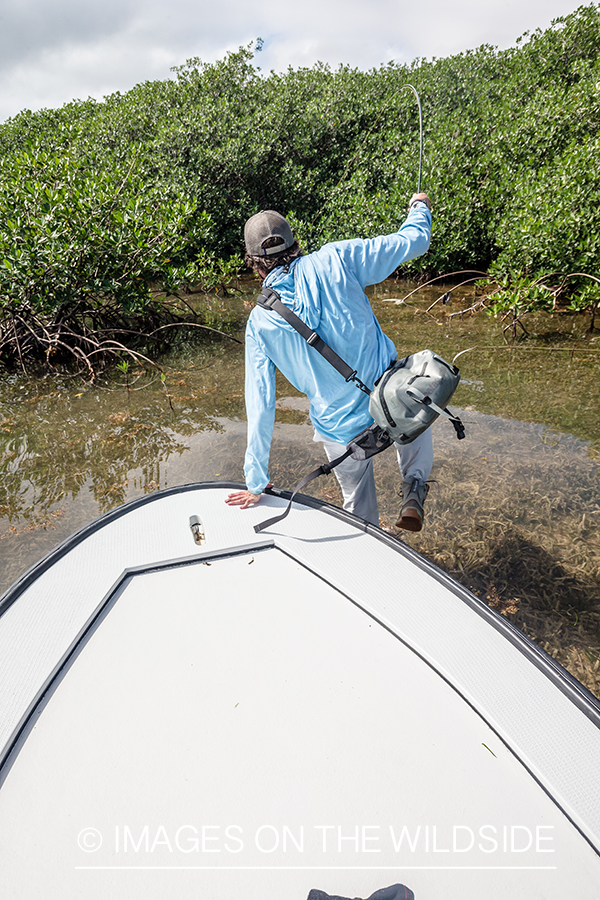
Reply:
x=314 y=708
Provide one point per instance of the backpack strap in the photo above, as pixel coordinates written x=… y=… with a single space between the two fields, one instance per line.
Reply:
x=368 y=443
x=416 y=394
x=270 y=299
x=325 y=469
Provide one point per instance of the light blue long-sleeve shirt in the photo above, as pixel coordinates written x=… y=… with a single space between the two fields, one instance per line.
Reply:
x=326 y=289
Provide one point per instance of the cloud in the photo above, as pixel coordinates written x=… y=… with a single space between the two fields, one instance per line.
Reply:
x=32 y=27
x=76 y=71
x=53 y=52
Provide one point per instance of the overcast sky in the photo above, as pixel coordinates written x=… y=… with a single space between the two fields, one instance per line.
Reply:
x=53 y=51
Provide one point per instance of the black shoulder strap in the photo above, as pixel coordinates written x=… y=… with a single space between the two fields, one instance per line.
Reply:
x=368 y=443
x=270 y=299
x=325 y=469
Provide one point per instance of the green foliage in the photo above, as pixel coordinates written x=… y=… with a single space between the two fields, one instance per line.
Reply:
x=71 y=233
x=555 y=222
x=109 y=202
x=575 y=292
x=520 y=295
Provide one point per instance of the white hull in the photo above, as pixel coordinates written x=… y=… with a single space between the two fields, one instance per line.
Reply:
x=314 y=706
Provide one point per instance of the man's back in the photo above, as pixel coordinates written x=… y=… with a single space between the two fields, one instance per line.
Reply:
x=326 y=290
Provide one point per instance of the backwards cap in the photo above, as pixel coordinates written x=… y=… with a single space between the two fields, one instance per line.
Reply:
x=264 y=225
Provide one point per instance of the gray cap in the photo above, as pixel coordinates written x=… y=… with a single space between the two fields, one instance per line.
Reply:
x=264 y=225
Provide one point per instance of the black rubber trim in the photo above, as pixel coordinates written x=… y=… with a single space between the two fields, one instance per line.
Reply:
x=567 y=683
x=111 y=598
x=28 y=577
x=587 y=702
x=386 y=377
x=11 y=750
x=452 y=686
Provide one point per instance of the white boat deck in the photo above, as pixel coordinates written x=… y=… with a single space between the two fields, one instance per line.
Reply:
x=309 y=707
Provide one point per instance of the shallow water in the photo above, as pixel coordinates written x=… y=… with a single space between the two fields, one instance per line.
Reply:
x=529 y=466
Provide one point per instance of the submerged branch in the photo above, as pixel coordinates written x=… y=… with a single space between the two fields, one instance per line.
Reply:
x=445 y=297
x=479 y=305
x=513 y=347
x=446 y=276
x=195 y=325
x=89 y=337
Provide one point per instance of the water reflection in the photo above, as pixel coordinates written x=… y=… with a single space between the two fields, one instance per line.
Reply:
x=513 y=511
x=97 y=441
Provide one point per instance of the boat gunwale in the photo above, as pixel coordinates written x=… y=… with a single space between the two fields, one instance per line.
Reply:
x=562 y=679
x=587 y=702
x=11 y=750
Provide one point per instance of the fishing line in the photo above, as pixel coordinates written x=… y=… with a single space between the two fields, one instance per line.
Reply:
x=372 y=128
x=414 y=90
x=369 y=132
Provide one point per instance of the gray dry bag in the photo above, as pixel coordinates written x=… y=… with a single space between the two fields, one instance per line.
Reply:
x=412 y=393
x=406 y=399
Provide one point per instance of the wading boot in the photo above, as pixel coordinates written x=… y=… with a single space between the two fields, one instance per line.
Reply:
x=413 y=498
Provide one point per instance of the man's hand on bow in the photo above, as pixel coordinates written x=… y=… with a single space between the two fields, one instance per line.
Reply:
x=244 y=499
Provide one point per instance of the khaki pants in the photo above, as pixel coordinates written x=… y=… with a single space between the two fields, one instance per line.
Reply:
x=356 y=478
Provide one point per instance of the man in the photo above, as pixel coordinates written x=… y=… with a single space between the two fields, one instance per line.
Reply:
x=326 y=290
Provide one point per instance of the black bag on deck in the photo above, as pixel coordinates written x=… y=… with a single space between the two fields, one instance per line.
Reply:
x=394 y=892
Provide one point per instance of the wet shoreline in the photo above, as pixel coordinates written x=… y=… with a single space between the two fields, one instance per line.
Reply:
x=512 y=512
